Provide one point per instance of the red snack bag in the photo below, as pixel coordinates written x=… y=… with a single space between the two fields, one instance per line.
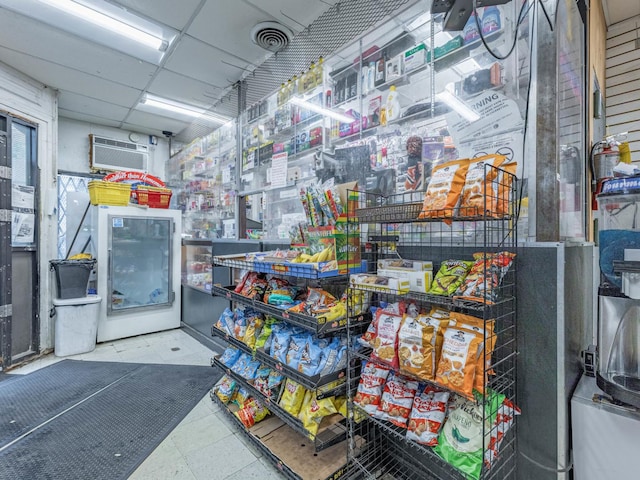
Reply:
x=397 y=400
x=427 y=416
x=503 y=422
x=372 y=379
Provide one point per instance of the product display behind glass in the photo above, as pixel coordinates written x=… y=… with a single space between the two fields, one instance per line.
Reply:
x=139 y=262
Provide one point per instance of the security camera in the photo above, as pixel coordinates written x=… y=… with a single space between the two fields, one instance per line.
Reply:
x=167 y=133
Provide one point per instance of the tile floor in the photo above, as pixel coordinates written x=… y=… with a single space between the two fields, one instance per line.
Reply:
x=205 y=445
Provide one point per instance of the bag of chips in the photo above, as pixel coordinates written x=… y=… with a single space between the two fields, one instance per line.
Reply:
x=251 y=413
x=372 y=380
x=275 y=379
x=443 y=193
x=254 y=286
x=279 y=292
x=310 y=357
x=479 y=195
x=264 y=339
x=280 y=344
x=254 y=326
x=485 y=277
x=241 y=363
x=386 y=341
x=329 y=356
x=457 y=366
x=240 y=324
x=250 y=370
x=449 y=277
x=397 y=399
x=230 y=356
x=226 y=322
x=416 y=347
x=503 y=422
x=461 y=442
x=485 y=330
x=440 y=321
x=427 y=416
x=261 y=382
x=296 y=344
x=225 y=388
x=241 y=396
x=313 y=411
x=292 y=397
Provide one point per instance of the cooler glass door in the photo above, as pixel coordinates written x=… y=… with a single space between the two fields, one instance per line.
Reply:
x=140 y=260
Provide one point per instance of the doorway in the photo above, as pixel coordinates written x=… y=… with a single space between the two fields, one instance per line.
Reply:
x=19 y=299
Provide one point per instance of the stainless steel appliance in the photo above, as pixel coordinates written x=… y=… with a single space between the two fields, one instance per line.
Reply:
x=618 y=360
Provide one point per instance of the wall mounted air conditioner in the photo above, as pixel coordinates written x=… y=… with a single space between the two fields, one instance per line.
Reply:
x=109 y=154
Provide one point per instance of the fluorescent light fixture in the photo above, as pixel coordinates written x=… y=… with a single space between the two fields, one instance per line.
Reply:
x=458 y=105
x=419 y=21
x=105 y=21
x=182 y=109
x=341 y=117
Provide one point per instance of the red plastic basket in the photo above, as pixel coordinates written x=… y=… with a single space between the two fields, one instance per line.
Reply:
x=154 y=197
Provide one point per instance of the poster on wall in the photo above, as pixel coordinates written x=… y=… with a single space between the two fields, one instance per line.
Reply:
x=279 y=170
x=22 y=227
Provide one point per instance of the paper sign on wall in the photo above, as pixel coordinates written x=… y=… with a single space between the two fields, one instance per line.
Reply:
x=279 y=170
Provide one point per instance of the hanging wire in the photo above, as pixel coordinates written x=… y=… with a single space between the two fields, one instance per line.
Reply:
x=521 y=16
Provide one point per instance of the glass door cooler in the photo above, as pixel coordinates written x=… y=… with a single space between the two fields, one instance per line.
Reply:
x=138 y=270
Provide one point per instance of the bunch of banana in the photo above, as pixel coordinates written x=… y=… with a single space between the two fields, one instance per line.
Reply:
x=323 y=256
x=335 y=312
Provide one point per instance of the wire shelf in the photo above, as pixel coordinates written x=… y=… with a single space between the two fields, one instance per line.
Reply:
x=323 y=439
x=316 y=270
x=317 y=325
x=323 y=386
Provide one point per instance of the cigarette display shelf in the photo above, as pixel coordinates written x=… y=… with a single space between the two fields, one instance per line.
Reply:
x=324 y=386
x=290 y=452
x=328 y=434
x=437 y=240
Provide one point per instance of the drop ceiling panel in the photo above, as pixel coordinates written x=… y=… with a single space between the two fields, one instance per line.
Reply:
x=227 y=26
x=156 y=122
x=29 y=37
x=296 y=14
x=85 y=117
x=62 y=78
x=198 y=60
x=184 y=89
x=172 y=13
x=80 y=103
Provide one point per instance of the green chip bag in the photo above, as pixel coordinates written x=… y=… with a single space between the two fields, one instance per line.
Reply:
x=450 y=276
x=461 y=441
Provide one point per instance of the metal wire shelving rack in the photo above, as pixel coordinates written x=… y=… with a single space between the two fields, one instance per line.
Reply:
x=391 y=227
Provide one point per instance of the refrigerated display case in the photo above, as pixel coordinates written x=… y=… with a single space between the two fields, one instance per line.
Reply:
x=138 y=269
x=196 y=264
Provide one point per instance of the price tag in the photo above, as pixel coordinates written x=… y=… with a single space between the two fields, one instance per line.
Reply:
x=285 y=315
x=229 y=295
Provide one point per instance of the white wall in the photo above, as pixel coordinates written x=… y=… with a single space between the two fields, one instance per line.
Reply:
x=73 y=146
x=623 y=83
x=29 y=99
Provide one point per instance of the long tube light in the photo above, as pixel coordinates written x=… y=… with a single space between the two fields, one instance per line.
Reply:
x=321 y=110
x=458 y=105
x=188 y=110
x=100 y=19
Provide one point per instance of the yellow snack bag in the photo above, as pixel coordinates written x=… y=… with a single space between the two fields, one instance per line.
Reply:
x=445 y=187
x=314 y=410
x=416 y=345
x=292 y=397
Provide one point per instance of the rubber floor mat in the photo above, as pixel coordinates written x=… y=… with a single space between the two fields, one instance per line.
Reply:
x=95 y=420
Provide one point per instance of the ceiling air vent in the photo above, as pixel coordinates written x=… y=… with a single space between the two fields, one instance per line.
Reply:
x=271 y=36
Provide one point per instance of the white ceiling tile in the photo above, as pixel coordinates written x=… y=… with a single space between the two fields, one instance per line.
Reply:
x=63 y=78
x=80 y=103
x=172 y=13
x=227 y=26
x=157 y=122
x=85 y=117
x=198 y=60
x=27 y=36
x=175 y=86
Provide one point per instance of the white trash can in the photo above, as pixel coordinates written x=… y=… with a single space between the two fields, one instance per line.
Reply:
x=76 y=324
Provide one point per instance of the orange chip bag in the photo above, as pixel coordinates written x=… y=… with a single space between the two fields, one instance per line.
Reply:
x=505 y=184
x=386 y=342
x=485 y=331
x=445 y=187
x=457 y=365
x=416 y=347
x=478 y=194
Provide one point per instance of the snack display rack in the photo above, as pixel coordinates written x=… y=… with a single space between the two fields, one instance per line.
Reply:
x=330 y=439
x=391 y=228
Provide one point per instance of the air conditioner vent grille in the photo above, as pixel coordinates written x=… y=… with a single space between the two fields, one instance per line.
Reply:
x=109 y=154
x=115 y=143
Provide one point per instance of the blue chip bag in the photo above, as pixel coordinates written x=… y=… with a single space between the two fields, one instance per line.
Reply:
x=230 y=356
x=226 y=322
x=296 y=344
x=241 y=364
x=310 y=358
x=275 y=379
x=250 y=370
x=329 y=354
x=280 y=344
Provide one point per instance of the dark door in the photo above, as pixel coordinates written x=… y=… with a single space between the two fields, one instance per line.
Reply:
x=19 y=296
